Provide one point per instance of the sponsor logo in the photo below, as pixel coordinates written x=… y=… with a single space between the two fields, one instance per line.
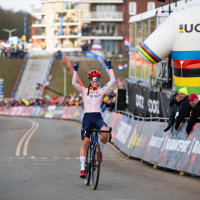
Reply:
x=156 y=141
x=153 y=106
x=133 y=138
x=123 y=132
x=95 y=96
x=139 y=101
x=177 y=145
x=196 y=148
x=188 y=28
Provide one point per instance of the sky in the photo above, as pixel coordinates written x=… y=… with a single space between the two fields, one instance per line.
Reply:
x=17 y=5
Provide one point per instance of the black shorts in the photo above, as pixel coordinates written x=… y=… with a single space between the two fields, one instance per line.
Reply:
x=92 y=119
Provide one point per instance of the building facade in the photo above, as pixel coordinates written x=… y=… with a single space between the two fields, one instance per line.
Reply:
x=67 y=24
x=57 y=25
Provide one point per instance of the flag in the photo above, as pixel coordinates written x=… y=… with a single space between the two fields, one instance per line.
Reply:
x=127 y=43
x=122 y=67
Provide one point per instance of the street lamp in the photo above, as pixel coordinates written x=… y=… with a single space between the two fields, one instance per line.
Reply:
x=10 y=32
x=65 y=80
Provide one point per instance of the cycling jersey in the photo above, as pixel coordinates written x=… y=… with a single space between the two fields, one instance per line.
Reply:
x=92 y=102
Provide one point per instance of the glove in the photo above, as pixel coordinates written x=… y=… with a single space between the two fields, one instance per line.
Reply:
x=167 y=128
x=76 y=65
x=108 y=63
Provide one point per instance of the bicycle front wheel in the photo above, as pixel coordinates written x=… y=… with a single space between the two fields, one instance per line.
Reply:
x=88 y=166
x=95 y=166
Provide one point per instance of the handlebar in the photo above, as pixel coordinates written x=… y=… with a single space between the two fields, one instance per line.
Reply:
x=99 y=131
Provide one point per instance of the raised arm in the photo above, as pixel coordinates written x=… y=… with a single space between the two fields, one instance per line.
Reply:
x=74 y=79
x=112 y=77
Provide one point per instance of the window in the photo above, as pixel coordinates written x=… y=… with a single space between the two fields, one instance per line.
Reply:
x=150 y=6
x=132 y=8
x=53 y=6
x=132 y=34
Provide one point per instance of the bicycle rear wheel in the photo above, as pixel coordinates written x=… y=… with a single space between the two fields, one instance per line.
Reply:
x=95 y=166
x=88 y=165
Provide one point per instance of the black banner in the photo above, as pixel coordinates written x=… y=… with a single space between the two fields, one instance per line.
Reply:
x=146 y=103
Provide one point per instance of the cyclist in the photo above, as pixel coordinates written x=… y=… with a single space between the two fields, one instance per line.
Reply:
x=92 y=97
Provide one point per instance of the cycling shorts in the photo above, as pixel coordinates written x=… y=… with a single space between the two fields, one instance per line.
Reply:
x=92 y=119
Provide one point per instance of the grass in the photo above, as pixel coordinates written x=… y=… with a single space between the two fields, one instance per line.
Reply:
x=85 y=65
x=9 y=70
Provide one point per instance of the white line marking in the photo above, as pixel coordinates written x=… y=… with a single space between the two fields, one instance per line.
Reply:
x=43 y=160
x=43 y=163
x=28 y=139
x=77 y=157
x=56 y=158
x=23 y=138
x=32 y=157
x=68 y=158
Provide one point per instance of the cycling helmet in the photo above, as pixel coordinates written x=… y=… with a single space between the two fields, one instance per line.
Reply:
x=94 y=73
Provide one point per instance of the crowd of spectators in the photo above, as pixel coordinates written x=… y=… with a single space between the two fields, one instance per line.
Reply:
x=12 y=51
x=108 y=101
x=184 y=106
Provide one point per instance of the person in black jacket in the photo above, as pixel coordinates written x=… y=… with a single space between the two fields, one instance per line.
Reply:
x=185 y=108
x=175 y=108
x=195 y=103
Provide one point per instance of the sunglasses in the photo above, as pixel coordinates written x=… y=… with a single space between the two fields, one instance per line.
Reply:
x=95 y=78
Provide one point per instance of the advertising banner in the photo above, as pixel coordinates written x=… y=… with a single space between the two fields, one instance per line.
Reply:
x=57 y=114
x=43 y=112
x=19 y=111
x=65 y=112
x=7 y=111
x=192 y=162
x=115 y=124
x=78 y=114
x=36 y=111
x=23 y=112
x=133 y=137
x=29 y=111
x=143 y=139
x=123 y=132
x=50 y=111
x=175 y=149
x=14 y=110
x=155 y=143
x=1 y=110
x=146 y=103
x=71 y=112
x=108 y=118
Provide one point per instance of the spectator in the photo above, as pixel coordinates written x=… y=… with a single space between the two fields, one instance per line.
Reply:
x=176 y=106
x=195 y=104
x=185 y=107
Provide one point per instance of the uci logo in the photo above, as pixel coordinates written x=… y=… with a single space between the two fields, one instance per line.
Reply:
x=189 y=28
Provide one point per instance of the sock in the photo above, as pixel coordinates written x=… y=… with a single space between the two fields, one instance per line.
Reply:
x=101 y=146
x=82 y=161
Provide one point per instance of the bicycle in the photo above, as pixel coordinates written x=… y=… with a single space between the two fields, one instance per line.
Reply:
x=92 y=164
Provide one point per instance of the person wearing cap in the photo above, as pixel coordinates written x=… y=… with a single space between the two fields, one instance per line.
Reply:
x=185 y=108
x=195 y=103
x=175 y=108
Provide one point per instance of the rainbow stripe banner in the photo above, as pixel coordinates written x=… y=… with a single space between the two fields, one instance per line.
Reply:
x=149 y=54
x=181 y=28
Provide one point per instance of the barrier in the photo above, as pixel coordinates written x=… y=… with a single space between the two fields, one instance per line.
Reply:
x=192 y=162
x=155 y=143
x=134 y=136
x=175 y=149
x=141 y=140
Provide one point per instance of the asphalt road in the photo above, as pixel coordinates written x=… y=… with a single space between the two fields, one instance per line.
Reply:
x=45 y=166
